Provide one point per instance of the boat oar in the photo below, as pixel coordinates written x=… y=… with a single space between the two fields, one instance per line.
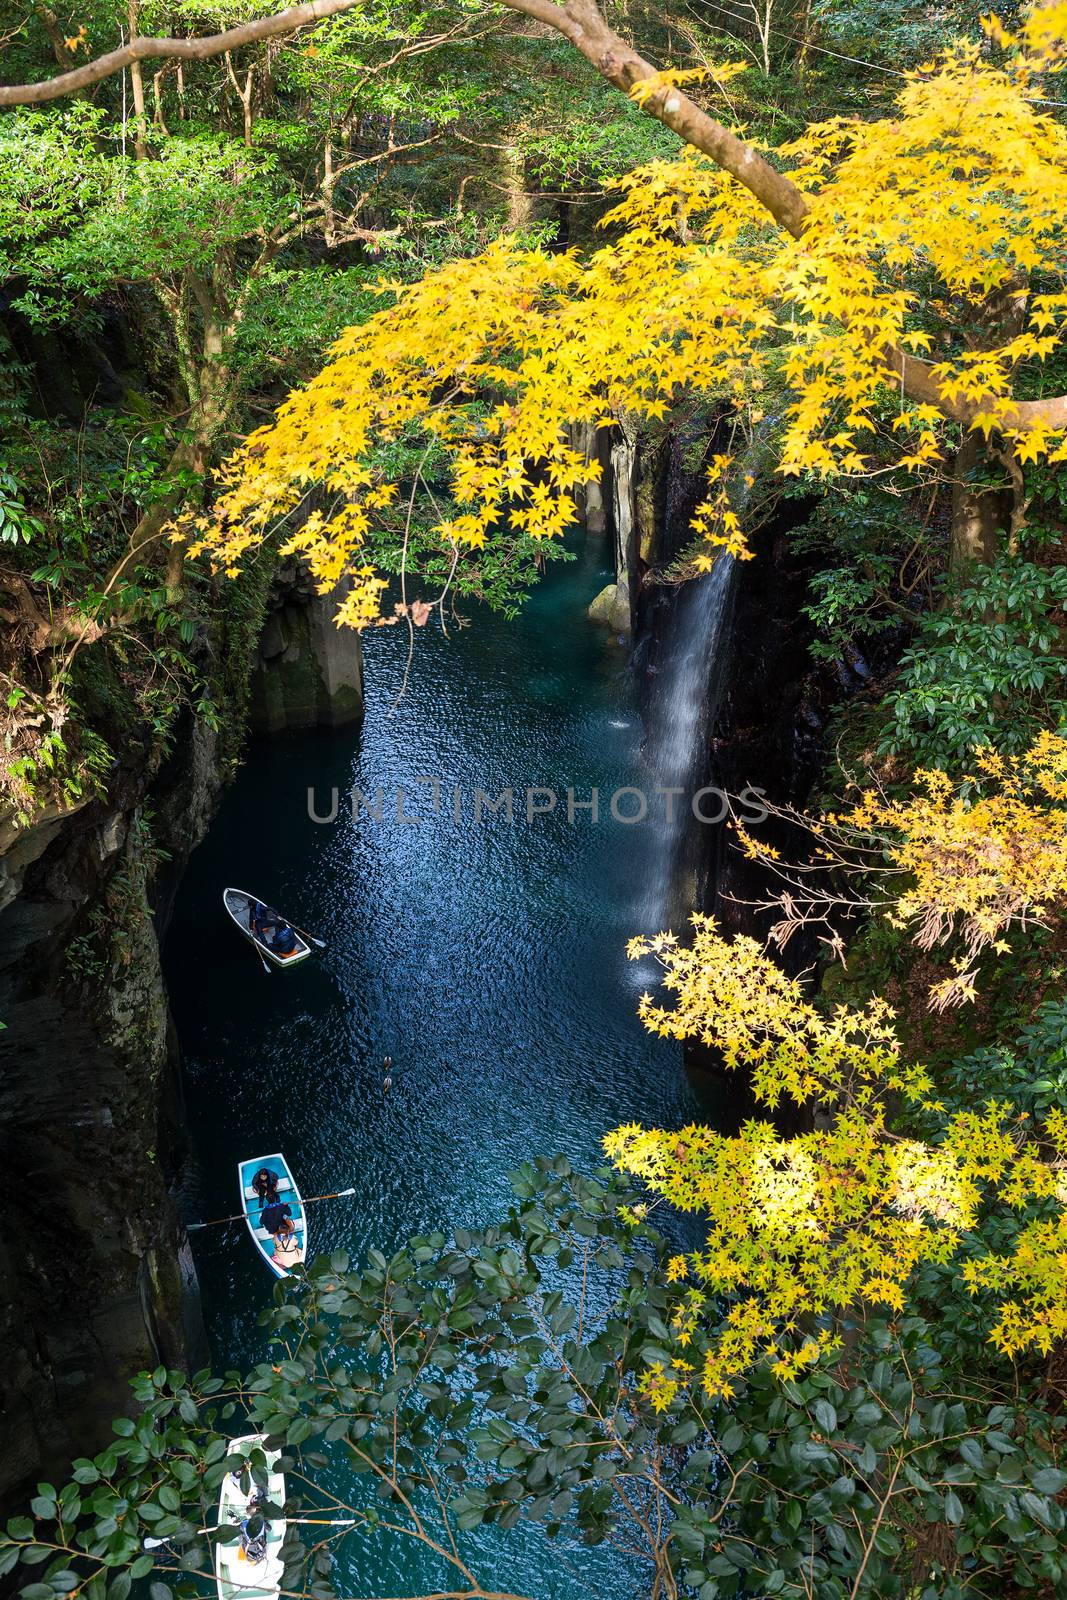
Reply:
x=291 y=1522
x=239 y=1216
x=320 y=944
x=259 y=953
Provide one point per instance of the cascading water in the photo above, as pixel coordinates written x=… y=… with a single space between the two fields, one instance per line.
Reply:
x=683 y=707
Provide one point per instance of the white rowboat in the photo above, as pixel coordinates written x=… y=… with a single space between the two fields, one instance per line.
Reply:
x=238 y=1576
x=288 y=1195
x=239 y=904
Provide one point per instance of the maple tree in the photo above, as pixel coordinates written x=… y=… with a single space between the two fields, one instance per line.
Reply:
x=883 y=295
x=726 y=277
x=953 y=862
x=803 y=1230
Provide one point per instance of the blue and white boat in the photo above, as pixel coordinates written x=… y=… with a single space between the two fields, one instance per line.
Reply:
x=279 y=1257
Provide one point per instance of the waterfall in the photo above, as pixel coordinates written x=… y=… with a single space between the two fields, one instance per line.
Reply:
x=684 y=705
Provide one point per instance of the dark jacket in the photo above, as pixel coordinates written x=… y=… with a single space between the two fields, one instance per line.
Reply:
x=272 y=1216
x=270 y=1191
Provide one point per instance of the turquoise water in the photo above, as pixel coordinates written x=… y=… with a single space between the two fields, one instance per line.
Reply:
x=488 y=960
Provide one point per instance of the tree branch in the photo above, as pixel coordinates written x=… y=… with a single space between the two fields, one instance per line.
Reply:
x=580 y=22
x=28 y=94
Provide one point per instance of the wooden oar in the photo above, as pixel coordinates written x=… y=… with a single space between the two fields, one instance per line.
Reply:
x=320 y=944
x=290 y=1522
x=259 y=953
x=239 y=1216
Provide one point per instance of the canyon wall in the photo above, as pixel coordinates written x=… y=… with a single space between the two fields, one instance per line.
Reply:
x=96 y=1276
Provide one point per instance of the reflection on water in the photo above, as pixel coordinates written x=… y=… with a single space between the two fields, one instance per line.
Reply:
x=488 y=960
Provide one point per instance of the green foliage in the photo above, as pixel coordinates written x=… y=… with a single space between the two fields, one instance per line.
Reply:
x=885 y=1463
x=17 y=524
x=55 y=759
x=874 y=565
x=987 y=669
x=888 y=34
x=493 y=1379
x=98 y=218
x=1031 y=1075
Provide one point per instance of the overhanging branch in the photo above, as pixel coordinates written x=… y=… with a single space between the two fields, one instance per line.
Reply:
x=214 y=44
x=581 y=23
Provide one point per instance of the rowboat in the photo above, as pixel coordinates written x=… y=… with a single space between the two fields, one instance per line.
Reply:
x=239 y=904
x=238 y=1572
x=288 y=1194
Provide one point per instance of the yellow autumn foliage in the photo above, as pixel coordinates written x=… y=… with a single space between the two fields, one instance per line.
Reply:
x=962 y=191
x=802 y=1230
x=977 y=857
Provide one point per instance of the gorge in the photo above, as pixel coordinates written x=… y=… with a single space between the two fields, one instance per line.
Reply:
x=176 y=1060
x=564 y=503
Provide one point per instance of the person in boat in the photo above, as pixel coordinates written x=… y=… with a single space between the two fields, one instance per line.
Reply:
x=284 y=941
x=273 y=1216
x=260 y=919
x=257 y=1500
x=254 y=1531
x=287 y=1244
x=265 y=1183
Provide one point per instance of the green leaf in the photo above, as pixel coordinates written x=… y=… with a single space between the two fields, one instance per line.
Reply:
x=953 y=1508
x=825 y=1416
x=1048 y=1480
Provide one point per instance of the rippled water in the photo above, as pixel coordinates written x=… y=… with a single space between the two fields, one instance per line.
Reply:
x=488 y=961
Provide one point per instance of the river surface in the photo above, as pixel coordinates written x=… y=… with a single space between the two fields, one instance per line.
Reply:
x=487 y=960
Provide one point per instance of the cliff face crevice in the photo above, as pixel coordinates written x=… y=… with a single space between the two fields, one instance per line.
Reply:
x=308 y=672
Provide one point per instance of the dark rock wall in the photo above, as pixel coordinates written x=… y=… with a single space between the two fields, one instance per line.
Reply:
x=309 y=672
x=97 y=1278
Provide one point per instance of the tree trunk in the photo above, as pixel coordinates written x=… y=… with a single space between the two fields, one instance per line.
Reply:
x=513 y=166
x=981 y=513
x=140 y=121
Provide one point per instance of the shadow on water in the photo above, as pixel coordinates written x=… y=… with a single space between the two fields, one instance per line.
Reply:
x=487 y=959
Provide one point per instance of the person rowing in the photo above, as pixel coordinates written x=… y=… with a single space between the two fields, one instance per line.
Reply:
x=284 y=941
x=274 y=1216
x=260 y=919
